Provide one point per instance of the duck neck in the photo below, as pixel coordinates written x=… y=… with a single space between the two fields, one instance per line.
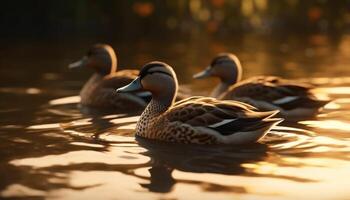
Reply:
x=218 y=90
x=160 y=103
x=155 y=108
x=114 y=62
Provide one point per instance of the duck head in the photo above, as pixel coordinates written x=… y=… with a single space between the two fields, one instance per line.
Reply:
x=100 y=57
x=158 y=78
x=225 y=66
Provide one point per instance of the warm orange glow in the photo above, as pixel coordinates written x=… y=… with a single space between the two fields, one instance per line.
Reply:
x=18 y=190
x=33 y=91
x=44 y=126
x=332 y=105
x=65 y=100
x=334 y=90
x=143 y=9
x=314 y=13
x=218 y=3
x=125 y=120
x=328 y=124
x=117 y=156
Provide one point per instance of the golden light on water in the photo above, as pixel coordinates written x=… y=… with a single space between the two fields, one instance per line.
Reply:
x=334 y=90
x=128 y=127
x=332 y=105
x=53 y=148
x=44 y=126
x=125 y=120
x=18 y=190
x=328 y=124
x=117 y=156
x=33 y=91
x=65 y=100
x=87 y=144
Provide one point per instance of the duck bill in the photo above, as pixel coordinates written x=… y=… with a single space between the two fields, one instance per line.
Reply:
x=134 y=86
x=203 y=74
x=80 y=63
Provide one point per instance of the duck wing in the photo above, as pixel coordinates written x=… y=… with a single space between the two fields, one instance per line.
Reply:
x=294 y=94
x=280 y=92
x=225 y=117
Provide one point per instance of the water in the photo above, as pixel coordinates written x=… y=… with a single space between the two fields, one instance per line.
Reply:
x=52 y=149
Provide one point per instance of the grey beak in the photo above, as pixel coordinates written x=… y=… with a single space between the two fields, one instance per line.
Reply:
x=135 y=85
x=79 y=63
x=203 y=74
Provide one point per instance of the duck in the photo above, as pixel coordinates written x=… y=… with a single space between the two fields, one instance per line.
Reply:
x=99 y=90
x=293 y=99
x=196 y=119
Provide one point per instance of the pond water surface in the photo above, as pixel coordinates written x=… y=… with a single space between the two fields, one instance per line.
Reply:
x=52 y=149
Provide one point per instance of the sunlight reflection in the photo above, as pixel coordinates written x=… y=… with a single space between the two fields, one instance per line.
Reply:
x=21 y=140
x=105 y=184
x=45 y=126
x=116 y=138
x=77 y=133
x=333 y=90
x=293 y=130
x=328 y=124
x=332 y=106
x=33 y=91
x=342 y=100
x=125 y=120
x=270 y=184
x=65 y=100
x=81 y=122
x=342 y=145
x=329 y=81
x=118 y=157
x=18 y=190
x=308 y=163
x=18 y=90
x=113 y=116
x=87 y=144
x=284 y=140
x=128 y=127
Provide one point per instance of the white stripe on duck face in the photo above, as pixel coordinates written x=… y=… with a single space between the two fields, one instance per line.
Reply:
x=286 y=99
x=223 y=122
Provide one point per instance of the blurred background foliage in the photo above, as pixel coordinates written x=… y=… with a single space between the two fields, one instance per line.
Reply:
x=293 y=38
x=130 y=19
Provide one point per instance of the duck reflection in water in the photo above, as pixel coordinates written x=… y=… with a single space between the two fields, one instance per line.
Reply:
x=167 y=157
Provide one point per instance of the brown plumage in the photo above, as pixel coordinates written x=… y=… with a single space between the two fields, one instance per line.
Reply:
x=199 y=120
x=293 y=99
x=99 y=91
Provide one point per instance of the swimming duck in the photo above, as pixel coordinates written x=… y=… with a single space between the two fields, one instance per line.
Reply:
x=292 y=99
x=99 y=91
x=197 y=120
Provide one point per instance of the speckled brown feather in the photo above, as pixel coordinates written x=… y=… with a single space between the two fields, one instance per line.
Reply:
x=180 y=123
x=270 y=88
